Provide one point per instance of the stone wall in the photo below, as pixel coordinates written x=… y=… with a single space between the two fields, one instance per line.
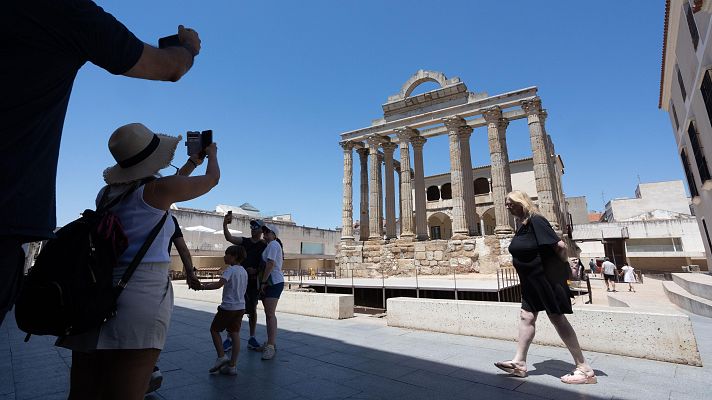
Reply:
x=372 y=259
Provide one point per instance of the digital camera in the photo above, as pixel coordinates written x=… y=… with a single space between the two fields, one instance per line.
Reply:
x=198 y=141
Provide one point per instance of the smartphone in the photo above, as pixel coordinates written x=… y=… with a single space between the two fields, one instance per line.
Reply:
x=168 y=41
x=206 y=138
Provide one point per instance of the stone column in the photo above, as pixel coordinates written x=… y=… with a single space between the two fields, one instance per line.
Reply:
x=363 y=221
x=380 y=195
x=374 y=225
x=554 y=173
x=388 y=149
x=541 y=160
x=421 y=224
x=347 y=218
x=501 y=175
x=457 y=130
x=406 y=199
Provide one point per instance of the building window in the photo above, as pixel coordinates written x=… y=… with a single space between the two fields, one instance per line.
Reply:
x=707 y=234
x=674 y=116
x=706 y=90
x=681 y=83
x=435 y=233
x=481 y=186
x=654 y=245
x=433 y=193
x=700 y=159
x=446 y=191
x=692 y=25
x=312 y=248
x=688 y=174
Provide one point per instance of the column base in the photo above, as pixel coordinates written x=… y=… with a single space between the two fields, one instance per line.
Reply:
x=459 y=236
x=503 y=230
x=407 y=236
x=347 y=238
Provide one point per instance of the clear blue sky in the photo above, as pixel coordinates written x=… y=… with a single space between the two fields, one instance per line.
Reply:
x=279 y=81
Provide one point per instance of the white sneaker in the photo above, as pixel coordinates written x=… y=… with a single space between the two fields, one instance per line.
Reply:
x=219 y=362
x=268 y=352
x=228 y=370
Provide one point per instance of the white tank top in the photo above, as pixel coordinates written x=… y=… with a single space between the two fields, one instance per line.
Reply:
x=138 y=219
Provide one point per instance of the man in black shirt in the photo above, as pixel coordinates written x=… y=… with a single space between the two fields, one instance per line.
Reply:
x=45 y=43
x=254 y=245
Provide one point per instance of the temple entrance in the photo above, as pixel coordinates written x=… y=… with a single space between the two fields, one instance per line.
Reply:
x=440 y=226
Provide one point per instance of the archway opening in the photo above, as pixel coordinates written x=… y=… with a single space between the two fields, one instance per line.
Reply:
x=433 y=193
x=440 y=226
x=489 y=221
x=481 y=186
x=446 y=191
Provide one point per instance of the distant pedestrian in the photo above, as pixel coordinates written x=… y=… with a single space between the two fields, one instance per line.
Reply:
x=535 y=244
x=609 y=275
x=592 y=266
x=629 y=277
x=231 y=310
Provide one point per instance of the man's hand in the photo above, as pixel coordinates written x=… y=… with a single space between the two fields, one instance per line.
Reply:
x=189 y=39
x=193 y=282
x=227 y=219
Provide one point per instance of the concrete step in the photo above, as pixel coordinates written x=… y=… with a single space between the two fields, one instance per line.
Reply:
x=684 y=299
x=698 y=284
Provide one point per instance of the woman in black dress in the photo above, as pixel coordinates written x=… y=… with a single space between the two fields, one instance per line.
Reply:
x=542 y=290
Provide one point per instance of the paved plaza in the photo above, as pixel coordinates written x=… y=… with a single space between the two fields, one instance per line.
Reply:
x=359 y=358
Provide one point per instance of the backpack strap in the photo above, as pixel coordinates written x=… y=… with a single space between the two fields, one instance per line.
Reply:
x=139 y=256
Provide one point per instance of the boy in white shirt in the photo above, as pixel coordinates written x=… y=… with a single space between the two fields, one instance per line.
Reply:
x=231 y=310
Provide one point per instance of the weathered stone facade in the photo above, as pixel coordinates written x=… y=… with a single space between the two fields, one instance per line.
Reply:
x=409 y=121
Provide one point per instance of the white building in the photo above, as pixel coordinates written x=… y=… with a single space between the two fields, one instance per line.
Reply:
x=654 y=231
x=686 y=94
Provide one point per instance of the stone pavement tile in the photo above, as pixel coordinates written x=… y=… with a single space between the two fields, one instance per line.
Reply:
x=341 y=359
x=195 y=392
x=378 y=387
x=9 y=396
x=491 y=378
x=665 y=383
x=322 y=388
x=561 y=391
x=429 y=366
x=686 y=372
x=686 y=396
x=384 y=369
x=334 y=373
x=275 y=374
x=190 y=361
x=447 y=385
x=41 y=370
x=42 y=387
x=290 y=360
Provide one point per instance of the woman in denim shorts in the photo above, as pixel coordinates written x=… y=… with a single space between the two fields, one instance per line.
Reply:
x=272 y=285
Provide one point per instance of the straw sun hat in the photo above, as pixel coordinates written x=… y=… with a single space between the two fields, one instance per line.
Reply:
x=139 y=153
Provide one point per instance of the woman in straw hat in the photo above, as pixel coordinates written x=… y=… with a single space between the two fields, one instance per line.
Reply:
x=116 y=360
x=543 y=289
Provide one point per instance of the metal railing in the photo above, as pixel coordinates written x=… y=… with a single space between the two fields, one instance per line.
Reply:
x=509 y=288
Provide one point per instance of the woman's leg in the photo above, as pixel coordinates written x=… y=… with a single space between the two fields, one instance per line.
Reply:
x=85 y=376
x=126 y=373
x=270 y=306
x=568 y=336
x=527 y=329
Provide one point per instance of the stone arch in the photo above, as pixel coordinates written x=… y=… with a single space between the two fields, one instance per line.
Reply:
x=433 y=193
x=489 y=221
x=420 y=77
x=439 y=226
x=446 y=191
x=482 y=186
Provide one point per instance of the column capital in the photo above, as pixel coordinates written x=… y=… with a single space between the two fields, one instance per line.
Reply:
x=375 y=141
x=347 y=146
x=542 y=115
x=362 y=151
x=458 y=126
x=389 y=148
x=532 y=106
x=405 y=133
x=418 y=142
x=492 y=114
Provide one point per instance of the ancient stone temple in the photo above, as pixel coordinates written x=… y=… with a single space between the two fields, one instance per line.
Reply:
x=458 y=203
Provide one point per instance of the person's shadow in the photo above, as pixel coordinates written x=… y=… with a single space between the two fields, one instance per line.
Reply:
x=557 y=368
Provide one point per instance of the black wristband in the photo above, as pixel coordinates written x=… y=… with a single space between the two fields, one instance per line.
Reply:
x=193 y=162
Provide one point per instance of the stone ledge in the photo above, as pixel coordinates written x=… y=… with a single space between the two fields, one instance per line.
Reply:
x=655 y=336
x=323 y=305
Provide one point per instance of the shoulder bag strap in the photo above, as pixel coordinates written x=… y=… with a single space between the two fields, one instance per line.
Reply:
x=139 y=256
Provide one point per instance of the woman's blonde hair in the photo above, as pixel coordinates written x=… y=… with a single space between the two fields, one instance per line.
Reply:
x=523 y=199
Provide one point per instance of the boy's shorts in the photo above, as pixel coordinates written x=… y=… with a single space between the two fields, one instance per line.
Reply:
x=229 y=320
x=608 y=277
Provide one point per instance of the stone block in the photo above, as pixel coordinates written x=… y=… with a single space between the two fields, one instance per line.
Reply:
x=438 y=255
x=420 y=255
x=419 y=246
x=428 y=255
x=468 y=247
x=656 y=336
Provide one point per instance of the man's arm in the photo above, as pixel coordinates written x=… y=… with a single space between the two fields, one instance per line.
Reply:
x=193 y=162
x=168 y=64
x=226 y=231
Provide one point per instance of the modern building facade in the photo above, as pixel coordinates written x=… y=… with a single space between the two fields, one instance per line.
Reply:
x=686 y=94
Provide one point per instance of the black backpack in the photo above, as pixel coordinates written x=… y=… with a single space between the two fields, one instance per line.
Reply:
x=70 y=288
